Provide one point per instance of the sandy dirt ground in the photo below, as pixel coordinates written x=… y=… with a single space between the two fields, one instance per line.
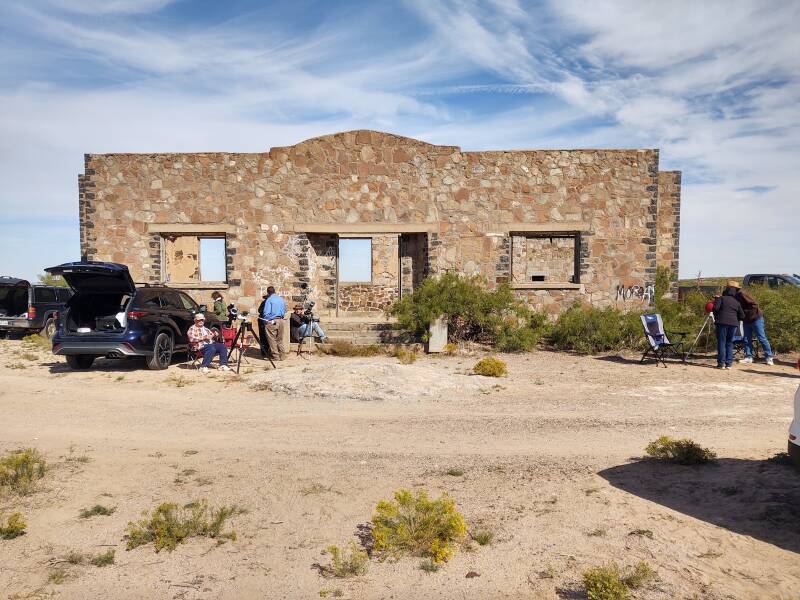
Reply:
x=550 y=458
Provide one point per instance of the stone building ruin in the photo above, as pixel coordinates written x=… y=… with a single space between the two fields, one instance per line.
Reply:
x=556 y=225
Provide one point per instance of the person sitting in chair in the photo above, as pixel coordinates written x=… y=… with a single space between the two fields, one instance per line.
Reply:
x=202 y=338
x=302 y=326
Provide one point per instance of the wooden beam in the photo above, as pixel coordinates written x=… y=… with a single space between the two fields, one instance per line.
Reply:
x=191 y=228
x=356 y=228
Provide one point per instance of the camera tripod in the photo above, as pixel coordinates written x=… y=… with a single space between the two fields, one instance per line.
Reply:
x=708 y=322
x=244 y=327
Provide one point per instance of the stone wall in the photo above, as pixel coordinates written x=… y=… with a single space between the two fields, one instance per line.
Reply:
x=669 y=224
x=466 y=203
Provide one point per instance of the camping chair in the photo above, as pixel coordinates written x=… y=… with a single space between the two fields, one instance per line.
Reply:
x=194 y=357
x=659 y=345
x=237 y=354
x=739 y=345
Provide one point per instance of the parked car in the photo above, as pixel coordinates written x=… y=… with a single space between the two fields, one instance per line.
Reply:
x=26 y=308
x=110 y=316
x=773 y=280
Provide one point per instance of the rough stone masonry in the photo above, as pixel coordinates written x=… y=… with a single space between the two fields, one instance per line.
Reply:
x=556 y=225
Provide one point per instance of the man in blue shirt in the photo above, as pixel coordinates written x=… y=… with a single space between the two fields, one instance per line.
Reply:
x=272 y=317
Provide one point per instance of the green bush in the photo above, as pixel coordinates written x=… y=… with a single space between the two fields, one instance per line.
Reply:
x=490 y=367
x=21 y=469
x=417 y=525
x=14 y=527
x=169 y=525
x=605 y=583
x=612 y=583
x=474 y=313
x=349 y=561
x=589 y=330
x=682 y=452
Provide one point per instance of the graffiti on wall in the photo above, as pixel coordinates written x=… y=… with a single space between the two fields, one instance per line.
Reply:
x=636 y=293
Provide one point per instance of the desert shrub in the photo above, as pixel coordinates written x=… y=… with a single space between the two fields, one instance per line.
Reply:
x=104 y=559
x=340 y=348
x=474 y=312
x=97 y=509
x=349 y=561
x=405 y=357
x=589 y=330
x=13 y=527
x=640 y=575
x=605 y=583
x=37 y=342
x=682 y=452
x=419 y=526
x=21 y=469
x=429 y=566
x=169 y=525
x=490 y=367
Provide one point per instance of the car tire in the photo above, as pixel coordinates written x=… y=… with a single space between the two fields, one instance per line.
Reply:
x=49 y=329
x=162 y=352
x=80 y=362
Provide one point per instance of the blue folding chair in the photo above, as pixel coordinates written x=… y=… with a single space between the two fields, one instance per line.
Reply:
x=739 y=345
x=660 y=346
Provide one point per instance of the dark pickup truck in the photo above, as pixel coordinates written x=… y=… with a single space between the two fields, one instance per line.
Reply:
x=773 y=280
x=30 y=308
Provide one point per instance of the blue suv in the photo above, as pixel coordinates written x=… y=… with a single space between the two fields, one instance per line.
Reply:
x=110 y=316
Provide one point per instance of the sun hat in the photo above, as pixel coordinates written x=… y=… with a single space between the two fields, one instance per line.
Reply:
x=199 y=317
x=300 y=306
x=734 y=284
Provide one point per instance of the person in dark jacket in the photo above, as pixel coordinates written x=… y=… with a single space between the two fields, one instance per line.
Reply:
x=727 y=314
x=753 y=324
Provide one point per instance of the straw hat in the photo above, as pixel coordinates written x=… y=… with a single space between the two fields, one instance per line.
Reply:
x=734 y=284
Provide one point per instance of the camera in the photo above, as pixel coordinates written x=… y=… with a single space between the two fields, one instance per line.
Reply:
x=233 y=313
x=308 y=313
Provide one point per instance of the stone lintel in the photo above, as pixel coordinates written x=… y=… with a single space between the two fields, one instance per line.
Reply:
x=552 y=227
x=191 y=228
x=351 y=228
x=547 y=285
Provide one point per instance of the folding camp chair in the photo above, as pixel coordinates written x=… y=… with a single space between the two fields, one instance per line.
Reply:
x=739 y=345
x=659 y=344
x=236 y=354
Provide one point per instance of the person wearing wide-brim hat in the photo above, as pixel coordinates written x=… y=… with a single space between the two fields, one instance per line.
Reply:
x=753 y=325
x=727 y=314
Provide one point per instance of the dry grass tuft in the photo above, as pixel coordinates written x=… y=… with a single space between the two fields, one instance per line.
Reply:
x=349 y=561
x=340 y=348
x=170 y=525
x=20 y=471
x=14 y=527
x=97 y=509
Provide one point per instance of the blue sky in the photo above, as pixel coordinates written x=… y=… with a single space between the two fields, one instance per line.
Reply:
x=714 y=85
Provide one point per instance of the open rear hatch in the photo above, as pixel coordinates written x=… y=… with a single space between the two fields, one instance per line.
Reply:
x=102 y=294
x=14 y=295
x=91 y=276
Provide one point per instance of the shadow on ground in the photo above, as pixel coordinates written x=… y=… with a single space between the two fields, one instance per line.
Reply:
x=758 y=498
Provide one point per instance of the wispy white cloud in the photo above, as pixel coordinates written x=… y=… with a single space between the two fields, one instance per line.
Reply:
x=104 y=7
x=715 y=85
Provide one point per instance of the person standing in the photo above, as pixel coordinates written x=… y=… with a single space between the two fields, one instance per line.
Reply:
x=272 y=315
x=753 y=324
x=727 y=314
x=219 y=309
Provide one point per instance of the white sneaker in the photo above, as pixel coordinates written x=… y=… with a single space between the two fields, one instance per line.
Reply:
x=224 y=368
x=746 y=360
x=769 y=362
x=727 y=368
x=204 y=370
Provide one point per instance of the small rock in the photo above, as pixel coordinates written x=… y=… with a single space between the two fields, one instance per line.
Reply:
x=472 y=574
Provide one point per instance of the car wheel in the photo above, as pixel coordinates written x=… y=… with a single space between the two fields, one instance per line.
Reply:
x=49 y=329
x=162 y=352
x=80 y=361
